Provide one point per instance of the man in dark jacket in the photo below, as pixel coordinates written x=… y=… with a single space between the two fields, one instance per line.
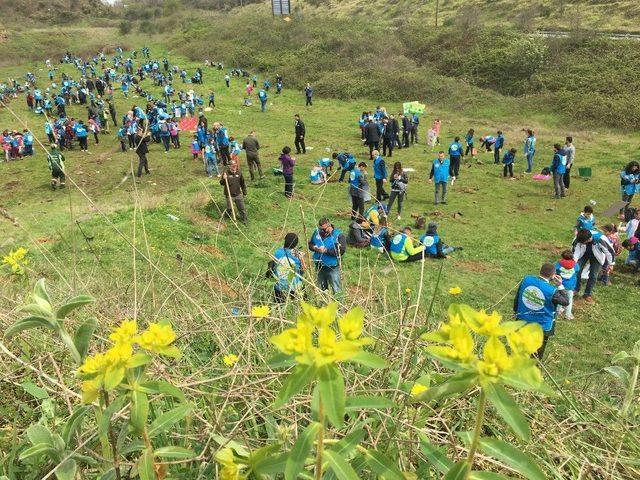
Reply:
x=251 y=146
x=234 y=191
x=388 y=136
x=300 y=134
x=141 y=141
x=371 y=136
x=406 y=130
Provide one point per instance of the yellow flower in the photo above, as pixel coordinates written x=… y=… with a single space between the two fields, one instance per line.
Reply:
x=119 y=355
x=158 y=339
x=90 y=390
x=407 y=291
x=260 y=311
x=94 y=365
x=526 y=340
x=16 y=260
x=230 y=360
x=295 y=340
x=319 y=317
x=230 y=469
x=351 y=324
x=485 y=324
x=125 y=333
x=455 y=290
x=418 y=389
x=495 y=360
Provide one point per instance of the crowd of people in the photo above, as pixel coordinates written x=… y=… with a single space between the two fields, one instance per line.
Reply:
x=540 y=298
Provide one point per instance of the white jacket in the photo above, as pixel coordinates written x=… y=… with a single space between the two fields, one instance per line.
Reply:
x=602 y=251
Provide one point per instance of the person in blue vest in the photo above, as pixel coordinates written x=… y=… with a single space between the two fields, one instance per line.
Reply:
x=508 y=160
x=497 y=147
x=164 y=130
x=455 y=154
x=254 y=79
x=434 y=247
x=287 y=267
x=591 y=248
x=402 y=248
x=537 y=300
x=558 y=168
x=529 y=150
x=346 y=163
x=122 y=135
x=81 y=133
x=440 y=175
x=586 y=220
x=212 y=99
x=629 y=180
x=415 y=123
x=262 y=95
x=328 y=245
x=222 y=140
x=48 y=130
x=308 y=94
x=380 y=175
x=357 y=190
x=27 y=143
x=469 y=141
x=568 y=270
x=380 y=239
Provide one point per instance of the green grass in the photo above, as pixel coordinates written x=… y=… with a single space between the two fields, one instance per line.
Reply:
x=81 y=240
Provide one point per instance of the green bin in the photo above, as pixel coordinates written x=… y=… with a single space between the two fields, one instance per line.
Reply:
x=584 y=172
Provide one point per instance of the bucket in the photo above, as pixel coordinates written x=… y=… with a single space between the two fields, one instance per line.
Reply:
x=584 y=172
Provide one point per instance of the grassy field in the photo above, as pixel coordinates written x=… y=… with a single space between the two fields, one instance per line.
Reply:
x=112 y=238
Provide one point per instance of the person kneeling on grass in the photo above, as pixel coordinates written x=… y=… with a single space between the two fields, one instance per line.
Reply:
x=537 y=300
x=433 y=245
x=568 y=270
x=631 y=245
x=358 y=236
x=402 y=248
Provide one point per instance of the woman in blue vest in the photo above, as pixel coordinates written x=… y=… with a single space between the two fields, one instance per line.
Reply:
x=537 y=299
x=440 y=175
x=455 y=153
x=380 y=239
x=328 y=244
x=629 y=179
x=357 y=189
x=287 y=267
x=529 y=150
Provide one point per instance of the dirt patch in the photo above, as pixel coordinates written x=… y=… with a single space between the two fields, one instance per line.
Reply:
x=544 y=247
x=11 y=185
x=476 y=267
x=221 y=286
x=211 y=250
x=44 y=239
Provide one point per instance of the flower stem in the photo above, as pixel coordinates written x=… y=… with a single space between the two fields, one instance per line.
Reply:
x=630 y=391
x=482 y=402
x=320 y=440
x=112 y=439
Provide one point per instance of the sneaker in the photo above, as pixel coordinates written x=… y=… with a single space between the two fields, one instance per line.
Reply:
x=443 y=202
x=569 y=317
x=589 y=299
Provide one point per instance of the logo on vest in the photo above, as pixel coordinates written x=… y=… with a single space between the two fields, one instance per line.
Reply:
x=533 y=298
x=428 y=241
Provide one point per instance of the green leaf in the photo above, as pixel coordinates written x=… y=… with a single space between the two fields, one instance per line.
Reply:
x=512 y=456
x=68 y=341
x=139 y=410
x=281 y=360
x=36 y=310
x=300 y=451
x=39 y=434
x=73 y=423
x=299 y=378
x=104 y=418
x=487 y=476
x=457 y=472
x=508 y=409
x=160 y=386
x=382 y=466
x=145 y=465
x=66 y=470
x=457 y=384
x=257 y=456
x=340 y=467
x=366 y=402
x=240 y=449
x=34 y=390
x=71 y=305
x=39 y=450
x=27 y=324
x=165 y=420
x=39 y=290
x=620 y=373
x=435 y=455
x=138 y=360
x=272 y=465
x=83 y=336
x=369 y=359
x=108 y=475
x=331 y=385
x=620 y=357
x=176 y=453
x=348 y=443
x=113 y=378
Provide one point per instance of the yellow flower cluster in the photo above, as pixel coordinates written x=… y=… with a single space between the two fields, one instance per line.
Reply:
x=260 y=311
x=316 y=322
x=230 y=469
x=16 y=260
x=230 y=360
x=456 y=343
x=107 y=370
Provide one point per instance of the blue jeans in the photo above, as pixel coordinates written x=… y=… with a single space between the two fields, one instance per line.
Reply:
x=329 y=277
x=530 y=160
x=263 y=106
x=594 y=270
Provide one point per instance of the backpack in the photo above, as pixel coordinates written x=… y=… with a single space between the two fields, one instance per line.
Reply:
x=164 y=128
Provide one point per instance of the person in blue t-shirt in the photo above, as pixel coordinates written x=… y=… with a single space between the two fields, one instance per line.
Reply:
x=537 y=300
x=469 y=141
x=586 y=220
x=380 y=174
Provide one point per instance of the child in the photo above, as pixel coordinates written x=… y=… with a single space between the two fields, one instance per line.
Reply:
x=195 y=147
x=235 y=149
x=380 y=237
x=174 y=130
x=210 y=159
x=508 y=160
x=317 y=176
x=122 y=133
x=611 y=232
x=586 y=220
x=631 y=244
x=568 y=270
x=326 y=164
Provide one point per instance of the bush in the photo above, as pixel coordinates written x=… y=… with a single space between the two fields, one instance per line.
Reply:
x=124 y=27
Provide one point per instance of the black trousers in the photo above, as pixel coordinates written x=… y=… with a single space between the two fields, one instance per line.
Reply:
x=546 y=335
x=288 y=185
x=416 y=257
x=83 y=143
x=405 y=139
x=309 y=102
x=380 y=193
x=357 y=207
x=344 y=172
x=496 y=155
x=132 y=140
x=509 y=168
x=142 y=163
x=454 y=168
x=567 y=177
x=165 y=142
x=387 y=143
x=373 y=146
x=224 y=154
x=300 y=146
x=414 y=134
